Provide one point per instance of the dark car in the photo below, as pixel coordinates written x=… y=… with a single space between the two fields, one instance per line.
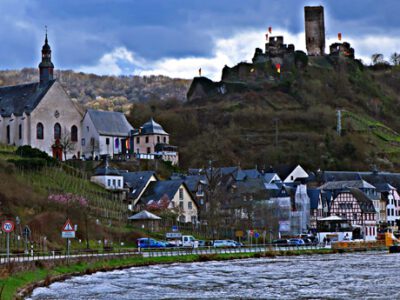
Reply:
x=280 y=242
x=150 y=243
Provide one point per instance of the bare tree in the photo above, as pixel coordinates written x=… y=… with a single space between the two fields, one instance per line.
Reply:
x=395 y=59
x=66 y=143
x=94 y=146
x=377 y=58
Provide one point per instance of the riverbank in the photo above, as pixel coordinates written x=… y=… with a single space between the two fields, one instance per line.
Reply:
x=22 y=284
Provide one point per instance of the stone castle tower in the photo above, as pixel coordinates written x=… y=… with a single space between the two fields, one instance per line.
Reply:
x=315 y=30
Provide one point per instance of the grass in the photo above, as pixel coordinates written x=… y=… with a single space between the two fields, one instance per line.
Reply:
x=15 y=282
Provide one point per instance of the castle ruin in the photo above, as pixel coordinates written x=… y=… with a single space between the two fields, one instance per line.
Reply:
x=315 y=30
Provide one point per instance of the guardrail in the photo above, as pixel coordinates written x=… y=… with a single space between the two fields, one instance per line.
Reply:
x=152 y=252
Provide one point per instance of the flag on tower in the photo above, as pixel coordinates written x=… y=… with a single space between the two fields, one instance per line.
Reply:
x=339 y=36
x=270 y=29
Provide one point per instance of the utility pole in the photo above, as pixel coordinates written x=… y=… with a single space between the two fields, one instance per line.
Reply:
x=339 y=122
x=276 y=120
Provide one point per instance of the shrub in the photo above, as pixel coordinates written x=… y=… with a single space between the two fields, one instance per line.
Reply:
x=34 y=164
x=29 y=152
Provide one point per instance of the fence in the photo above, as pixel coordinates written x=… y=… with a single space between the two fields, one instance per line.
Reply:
x=149 y=252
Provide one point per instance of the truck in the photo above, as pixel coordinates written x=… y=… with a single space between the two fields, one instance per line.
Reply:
x=178 y=240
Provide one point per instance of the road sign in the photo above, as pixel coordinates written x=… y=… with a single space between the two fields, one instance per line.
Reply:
x=173 y=235
x=239 y=233
x=174 y=228
x=7 y=226
x=68 y=231
x=256 y=235
x=26 y=232
x=68 y=226
x=68 y=234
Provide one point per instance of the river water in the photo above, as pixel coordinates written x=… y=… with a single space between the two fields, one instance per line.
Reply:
x=336 y=276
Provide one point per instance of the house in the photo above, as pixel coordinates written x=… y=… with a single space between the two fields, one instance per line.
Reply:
x=41 y=114
x=289 y=174
x=109 y=178
x=105 y=133
x=356 y=201
x=152 y=141
x=176 y=194
x=137 y=182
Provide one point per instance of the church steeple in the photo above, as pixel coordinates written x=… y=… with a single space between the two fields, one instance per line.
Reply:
x=46 y=67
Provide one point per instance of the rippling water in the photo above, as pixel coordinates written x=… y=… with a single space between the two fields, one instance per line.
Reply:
x=346 y=276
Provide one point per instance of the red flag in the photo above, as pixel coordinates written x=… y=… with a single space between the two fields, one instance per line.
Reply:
x=270 y=29
x=339 y=36
x=278 y=68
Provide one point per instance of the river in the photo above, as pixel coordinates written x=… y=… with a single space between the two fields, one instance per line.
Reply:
x=335 y=276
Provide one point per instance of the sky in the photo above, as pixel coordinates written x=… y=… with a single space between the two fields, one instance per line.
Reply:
x=177 y=37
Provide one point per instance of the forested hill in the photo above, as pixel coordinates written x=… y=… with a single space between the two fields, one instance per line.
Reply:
x=266 y=121
x=107 y=92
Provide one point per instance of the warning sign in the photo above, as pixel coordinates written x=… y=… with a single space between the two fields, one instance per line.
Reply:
x=68 y=231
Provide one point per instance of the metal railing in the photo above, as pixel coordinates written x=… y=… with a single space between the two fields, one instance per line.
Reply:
x=152 y=252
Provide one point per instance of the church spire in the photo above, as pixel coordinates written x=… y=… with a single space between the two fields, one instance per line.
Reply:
x=46 y=67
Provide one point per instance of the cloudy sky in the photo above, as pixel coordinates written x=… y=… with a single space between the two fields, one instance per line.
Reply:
x=177 y=37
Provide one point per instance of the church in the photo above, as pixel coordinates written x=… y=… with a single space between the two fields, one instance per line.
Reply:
x=41 y=114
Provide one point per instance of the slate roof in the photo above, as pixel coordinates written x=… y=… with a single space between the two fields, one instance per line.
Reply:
x=313 y=194
x=152 y=127
x=365 y=203
x=136 y=181
x=345 y=185
x=191 y=181
x=110 y=122
x=22 y=98
x=107 y=171
x=156 y=190
x=340 y=176
x=283 y=171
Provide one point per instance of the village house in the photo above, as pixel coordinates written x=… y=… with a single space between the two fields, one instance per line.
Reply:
x=41 y=114
x=137 y=182
x=353 y=201
x=177 y=196
x=105 y=133
x=151 y=141
x=109 y=178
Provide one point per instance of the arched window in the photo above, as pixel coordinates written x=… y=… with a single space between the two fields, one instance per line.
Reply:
x=39 y=131
x=74 y=133
x=57 y=131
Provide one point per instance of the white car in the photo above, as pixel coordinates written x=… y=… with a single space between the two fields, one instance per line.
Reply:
x=224 y=243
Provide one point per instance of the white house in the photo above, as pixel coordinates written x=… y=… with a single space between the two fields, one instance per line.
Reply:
x=109 y=178
x=105 y=133
x=177 y=195
x=41 y=114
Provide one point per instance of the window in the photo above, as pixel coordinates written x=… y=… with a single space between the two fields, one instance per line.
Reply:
x=20 y=131
x=148 y=150
x=181 y=193
x=57 y=131
x=182 y=219
x=107 y=141
x=109 y=182
x=8 y=135
x=114 y=182
x=39 y=131
x=165 y=139
x=194 y=219
x=158 y=139
x=74 y=133
x=190 y=205
x=83 y=142
x=119 y=182
x=138 y=140
x=388 y=211
x=147 y=139
x=201 y=201
x=181 y=204
x=87 y=128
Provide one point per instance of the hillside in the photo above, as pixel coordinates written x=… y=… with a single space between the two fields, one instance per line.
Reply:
x=265 y=120
x=107 y=92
